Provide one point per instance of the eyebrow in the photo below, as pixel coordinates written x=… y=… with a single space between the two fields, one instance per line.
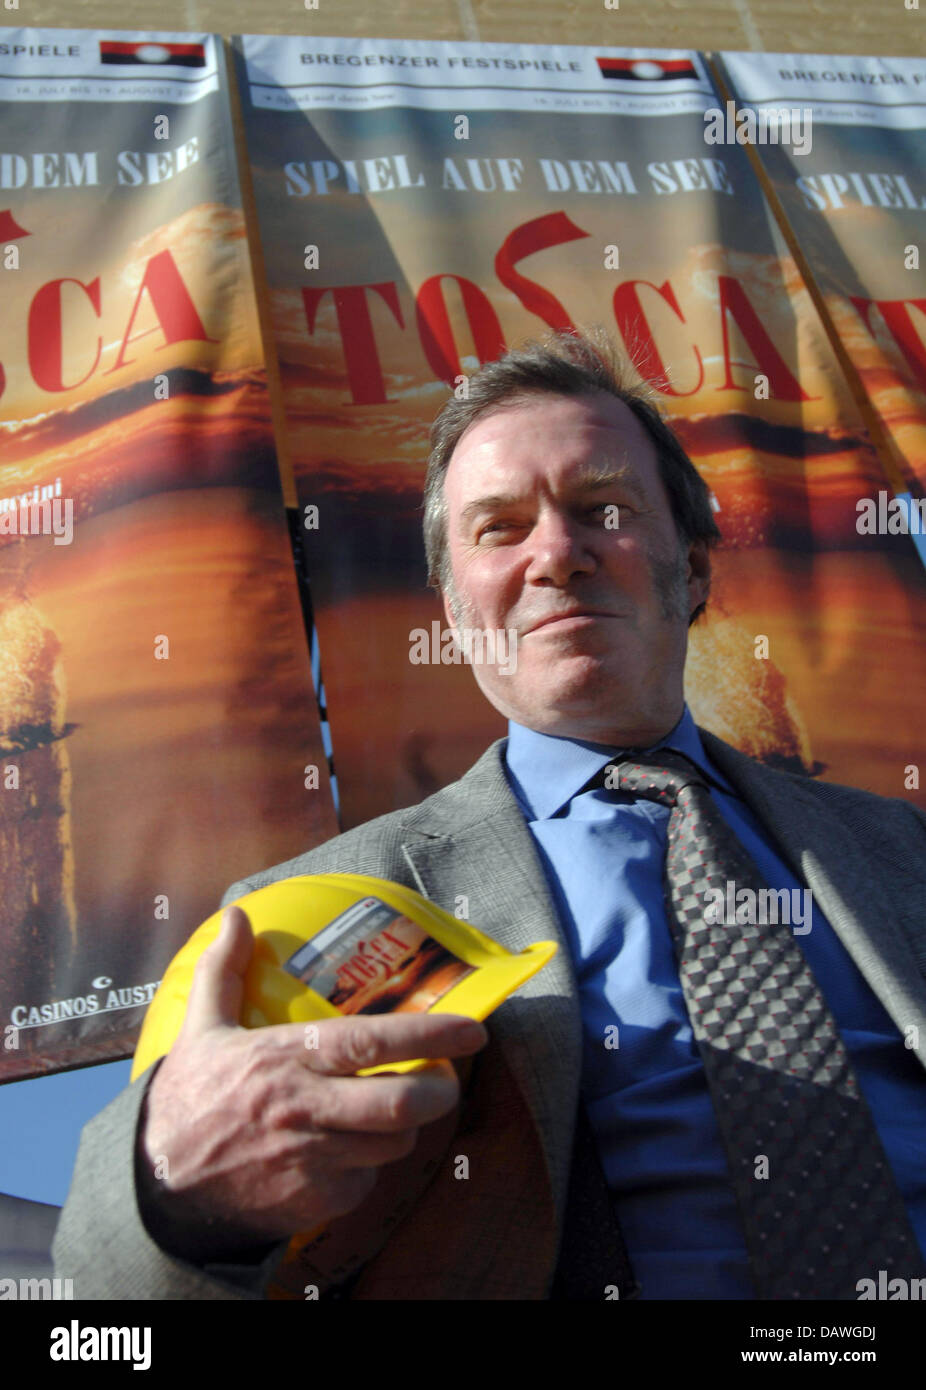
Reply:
x=591 y=478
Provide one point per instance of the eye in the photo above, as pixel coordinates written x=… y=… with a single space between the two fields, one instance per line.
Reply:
x=607 y=508
x=494 y=527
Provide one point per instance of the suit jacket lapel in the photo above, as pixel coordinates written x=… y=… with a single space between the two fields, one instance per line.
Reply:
x=851 y=890
x=471 y=841
x=496 y=1237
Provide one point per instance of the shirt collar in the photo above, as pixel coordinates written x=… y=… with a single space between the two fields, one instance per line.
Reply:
x=546 y=771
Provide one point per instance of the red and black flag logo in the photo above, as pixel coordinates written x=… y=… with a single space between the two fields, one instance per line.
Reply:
x=647 y=69
x=154 y=55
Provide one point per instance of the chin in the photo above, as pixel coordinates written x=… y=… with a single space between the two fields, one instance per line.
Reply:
x=558 y=707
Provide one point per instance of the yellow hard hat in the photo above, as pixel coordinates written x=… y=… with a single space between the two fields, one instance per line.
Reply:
x=333 y=944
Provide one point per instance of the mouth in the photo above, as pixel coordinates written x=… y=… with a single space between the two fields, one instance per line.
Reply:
x=577 y=618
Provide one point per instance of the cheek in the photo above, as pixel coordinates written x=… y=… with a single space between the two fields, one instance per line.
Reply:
x=629 y=561
x=635 y=556
x=491 y=585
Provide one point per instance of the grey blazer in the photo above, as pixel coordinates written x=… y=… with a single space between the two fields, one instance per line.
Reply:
x=863 y=857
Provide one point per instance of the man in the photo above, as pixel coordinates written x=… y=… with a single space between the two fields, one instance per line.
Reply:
x=602 y=1155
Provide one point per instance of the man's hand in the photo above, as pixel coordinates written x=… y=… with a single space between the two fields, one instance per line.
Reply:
x=264 y=1136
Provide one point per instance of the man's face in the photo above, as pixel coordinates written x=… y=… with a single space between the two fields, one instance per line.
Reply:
x=600 y=611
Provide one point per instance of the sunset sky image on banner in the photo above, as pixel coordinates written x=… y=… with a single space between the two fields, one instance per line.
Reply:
x=157 y=715
x=856 y=200
x=422 y=204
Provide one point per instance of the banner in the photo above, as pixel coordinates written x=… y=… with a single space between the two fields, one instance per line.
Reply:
x=423 y=204
x=158 y=730
x=843 y=140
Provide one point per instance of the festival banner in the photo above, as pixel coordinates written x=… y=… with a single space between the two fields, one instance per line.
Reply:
x=843 y=141
x=423 y=204
x=159 y=734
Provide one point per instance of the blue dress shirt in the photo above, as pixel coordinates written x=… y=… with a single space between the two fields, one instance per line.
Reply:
x=643 y=1083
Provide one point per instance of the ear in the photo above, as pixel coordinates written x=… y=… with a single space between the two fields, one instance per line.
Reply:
x=448 y=611
x=698 y=576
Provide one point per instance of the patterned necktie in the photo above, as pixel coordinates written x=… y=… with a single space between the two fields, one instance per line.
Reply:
x=786 y=1097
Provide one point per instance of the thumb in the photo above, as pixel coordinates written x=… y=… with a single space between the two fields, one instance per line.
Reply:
x=218 y=980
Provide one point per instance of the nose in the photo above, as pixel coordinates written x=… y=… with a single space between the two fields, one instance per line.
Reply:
x=559 y=549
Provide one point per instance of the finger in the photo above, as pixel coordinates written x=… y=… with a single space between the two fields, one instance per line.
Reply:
x=340 y=1149
x=342 y=1046
x=218 y=980
x=382 y=1104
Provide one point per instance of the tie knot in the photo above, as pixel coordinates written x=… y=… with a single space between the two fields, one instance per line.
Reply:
x=659 y=777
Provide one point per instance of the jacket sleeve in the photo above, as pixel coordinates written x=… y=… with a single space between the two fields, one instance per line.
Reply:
x=102 y=1242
